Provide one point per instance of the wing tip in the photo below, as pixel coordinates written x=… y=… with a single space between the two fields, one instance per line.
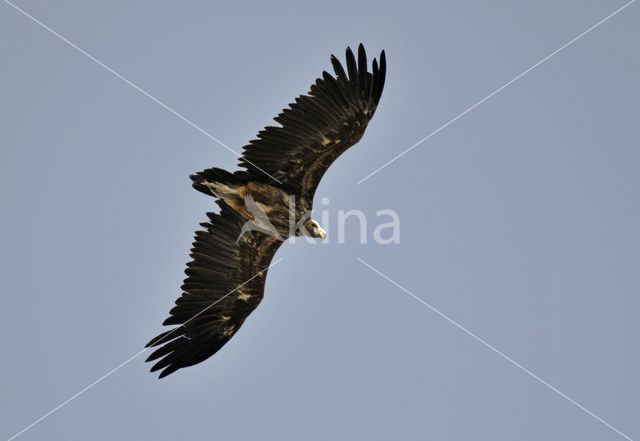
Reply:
x=382 y=72
x=357 y=71
x=167 y=371
x=383 y=60
x=155 y=341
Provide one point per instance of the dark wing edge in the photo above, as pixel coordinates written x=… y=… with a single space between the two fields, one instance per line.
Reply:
x=225 y=283
x=318 y=127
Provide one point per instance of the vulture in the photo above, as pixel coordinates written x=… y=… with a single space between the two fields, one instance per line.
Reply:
x=267 y=201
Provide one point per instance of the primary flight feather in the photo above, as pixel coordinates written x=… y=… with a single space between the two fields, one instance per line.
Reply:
x=262 y=205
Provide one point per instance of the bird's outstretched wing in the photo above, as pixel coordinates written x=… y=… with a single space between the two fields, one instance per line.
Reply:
x=224 y=284
x=318 y=127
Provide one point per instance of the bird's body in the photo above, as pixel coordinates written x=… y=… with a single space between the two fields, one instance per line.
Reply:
x=265 y=206
x=261 y=206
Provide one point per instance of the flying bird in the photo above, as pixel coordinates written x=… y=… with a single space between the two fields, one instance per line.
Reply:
x=267 y=201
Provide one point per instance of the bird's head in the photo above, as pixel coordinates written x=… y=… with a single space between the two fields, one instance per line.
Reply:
x=313 y=229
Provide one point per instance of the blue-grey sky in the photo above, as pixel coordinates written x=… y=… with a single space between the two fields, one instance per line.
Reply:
x=520 y=221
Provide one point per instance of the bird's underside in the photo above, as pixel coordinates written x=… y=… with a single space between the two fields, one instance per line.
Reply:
x=262 y=205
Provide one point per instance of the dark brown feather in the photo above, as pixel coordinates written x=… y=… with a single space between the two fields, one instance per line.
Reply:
x=209 y=304
x=319 y=126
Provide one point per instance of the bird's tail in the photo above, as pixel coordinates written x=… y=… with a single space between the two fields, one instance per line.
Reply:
x=214 y=180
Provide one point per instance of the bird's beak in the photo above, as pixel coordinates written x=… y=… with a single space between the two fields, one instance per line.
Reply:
x=322 y=233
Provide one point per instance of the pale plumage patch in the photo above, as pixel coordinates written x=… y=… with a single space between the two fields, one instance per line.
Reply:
x=229 y=330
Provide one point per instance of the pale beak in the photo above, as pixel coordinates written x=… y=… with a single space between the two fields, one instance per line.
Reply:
x=322 y=233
